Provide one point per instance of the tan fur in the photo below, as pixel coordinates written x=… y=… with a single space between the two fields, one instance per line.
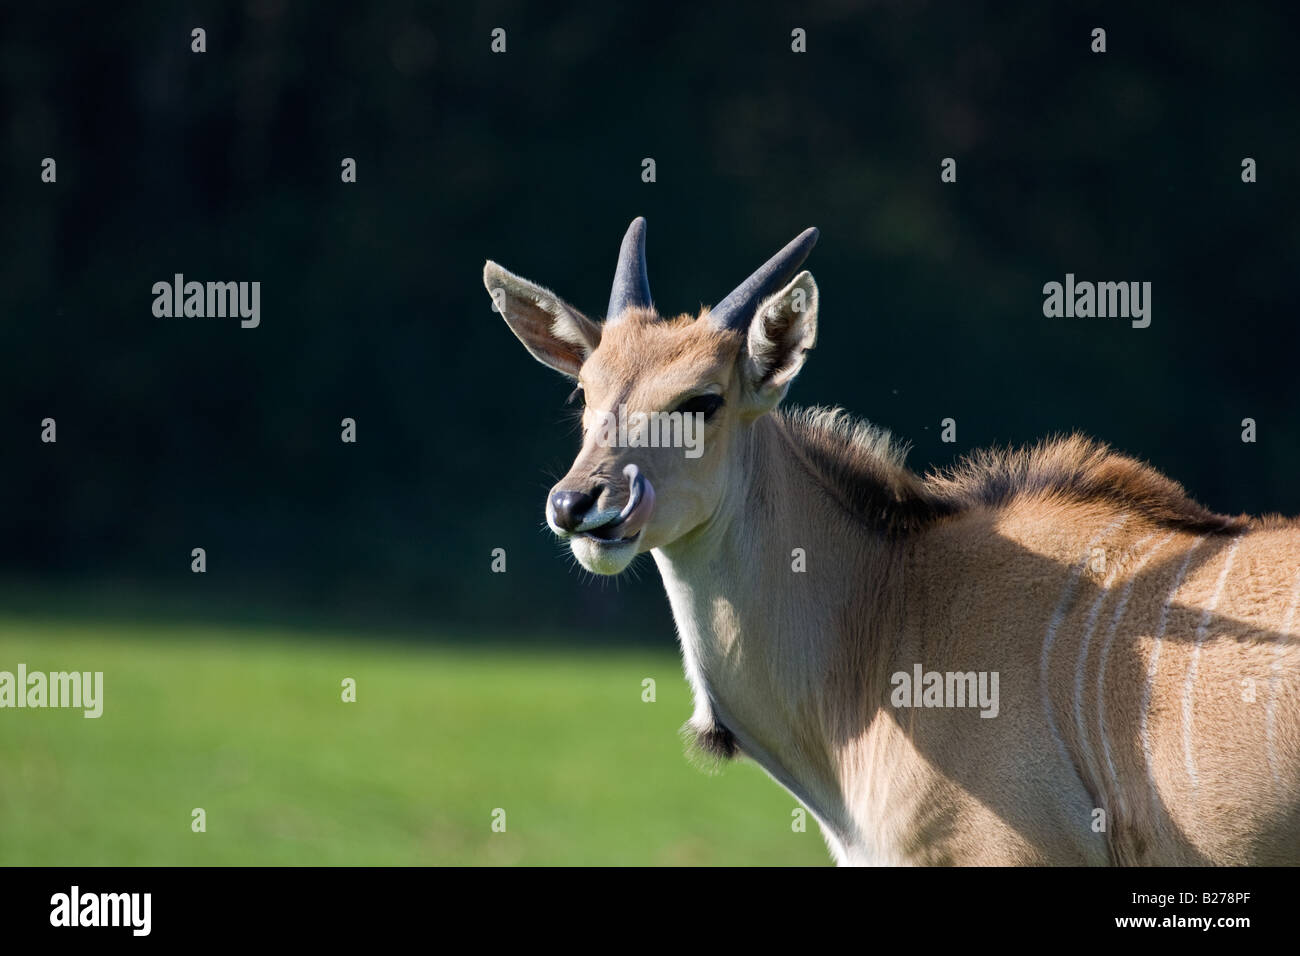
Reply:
x=1070 y=570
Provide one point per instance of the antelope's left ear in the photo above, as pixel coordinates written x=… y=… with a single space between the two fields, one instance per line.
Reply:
x=554 y=332
x=783 y=330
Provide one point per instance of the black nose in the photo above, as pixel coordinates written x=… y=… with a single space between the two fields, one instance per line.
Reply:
x=570 y=507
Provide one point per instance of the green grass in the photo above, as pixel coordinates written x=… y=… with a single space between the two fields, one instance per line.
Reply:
x=249 y=725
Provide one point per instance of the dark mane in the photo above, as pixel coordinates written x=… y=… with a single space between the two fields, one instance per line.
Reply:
x=862 y=468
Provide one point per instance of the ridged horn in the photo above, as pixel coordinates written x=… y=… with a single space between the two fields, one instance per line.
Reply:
x=631 y=284
x=737 y=310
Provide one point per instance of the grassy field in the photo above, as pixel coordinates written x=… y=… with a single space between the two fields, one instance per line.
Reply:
x=249 y=725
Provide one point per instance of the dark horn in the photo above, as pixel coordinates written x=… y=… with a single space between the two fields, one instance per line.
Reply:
x=737 y=310
x=631 y=285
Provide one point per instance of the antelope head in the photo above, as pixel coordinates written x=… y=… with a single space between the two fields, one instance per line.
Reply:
x=668 y=402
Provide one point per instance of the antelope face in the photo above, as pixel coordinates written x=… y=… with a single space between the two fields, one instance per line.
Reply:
x=666 y=402
x=649 y=383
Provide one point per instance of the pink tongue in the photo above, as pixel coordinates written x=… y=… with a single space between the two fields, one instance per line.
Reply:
x=641 y=513
x=636 y=520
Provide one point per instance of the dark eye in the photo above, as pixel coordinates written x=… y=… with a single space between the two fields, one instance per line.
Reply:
x=706 y=405
x=574 y=395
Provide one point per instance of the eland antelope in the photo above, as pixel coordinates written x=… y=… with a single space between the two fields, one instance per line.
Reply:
x=1140 y=647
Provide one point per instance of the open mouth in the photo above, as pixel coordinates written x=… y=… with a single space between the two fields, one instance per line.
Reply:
x=626 y=526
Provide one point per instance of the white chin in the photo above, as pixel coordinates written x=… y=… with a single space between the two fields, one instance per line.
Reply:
x=603 y=557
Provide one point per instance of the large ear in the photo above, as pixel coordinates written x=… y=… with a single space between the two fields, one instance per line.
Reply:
x=783 y=330
x=555 y=332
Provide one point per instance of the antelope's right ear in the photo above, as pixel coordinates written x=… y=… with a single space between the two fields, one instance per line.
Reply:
x=780 y=335
x=554 y=332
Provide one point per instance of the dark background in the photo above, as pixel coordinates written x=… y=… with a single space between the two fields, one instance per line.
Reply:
x=182 y=433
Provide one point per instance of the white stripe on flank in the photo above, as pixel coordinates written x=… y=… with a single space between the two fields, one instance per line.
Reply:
x=1269 y=723
x=1155 y=661
x=1080 y=725
x=1055 y=624
x=1125 y=594
x=1194 y=666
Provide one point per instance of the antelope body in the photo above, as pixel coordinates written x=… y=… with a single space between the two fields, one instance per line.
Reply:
x=1143 y=647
